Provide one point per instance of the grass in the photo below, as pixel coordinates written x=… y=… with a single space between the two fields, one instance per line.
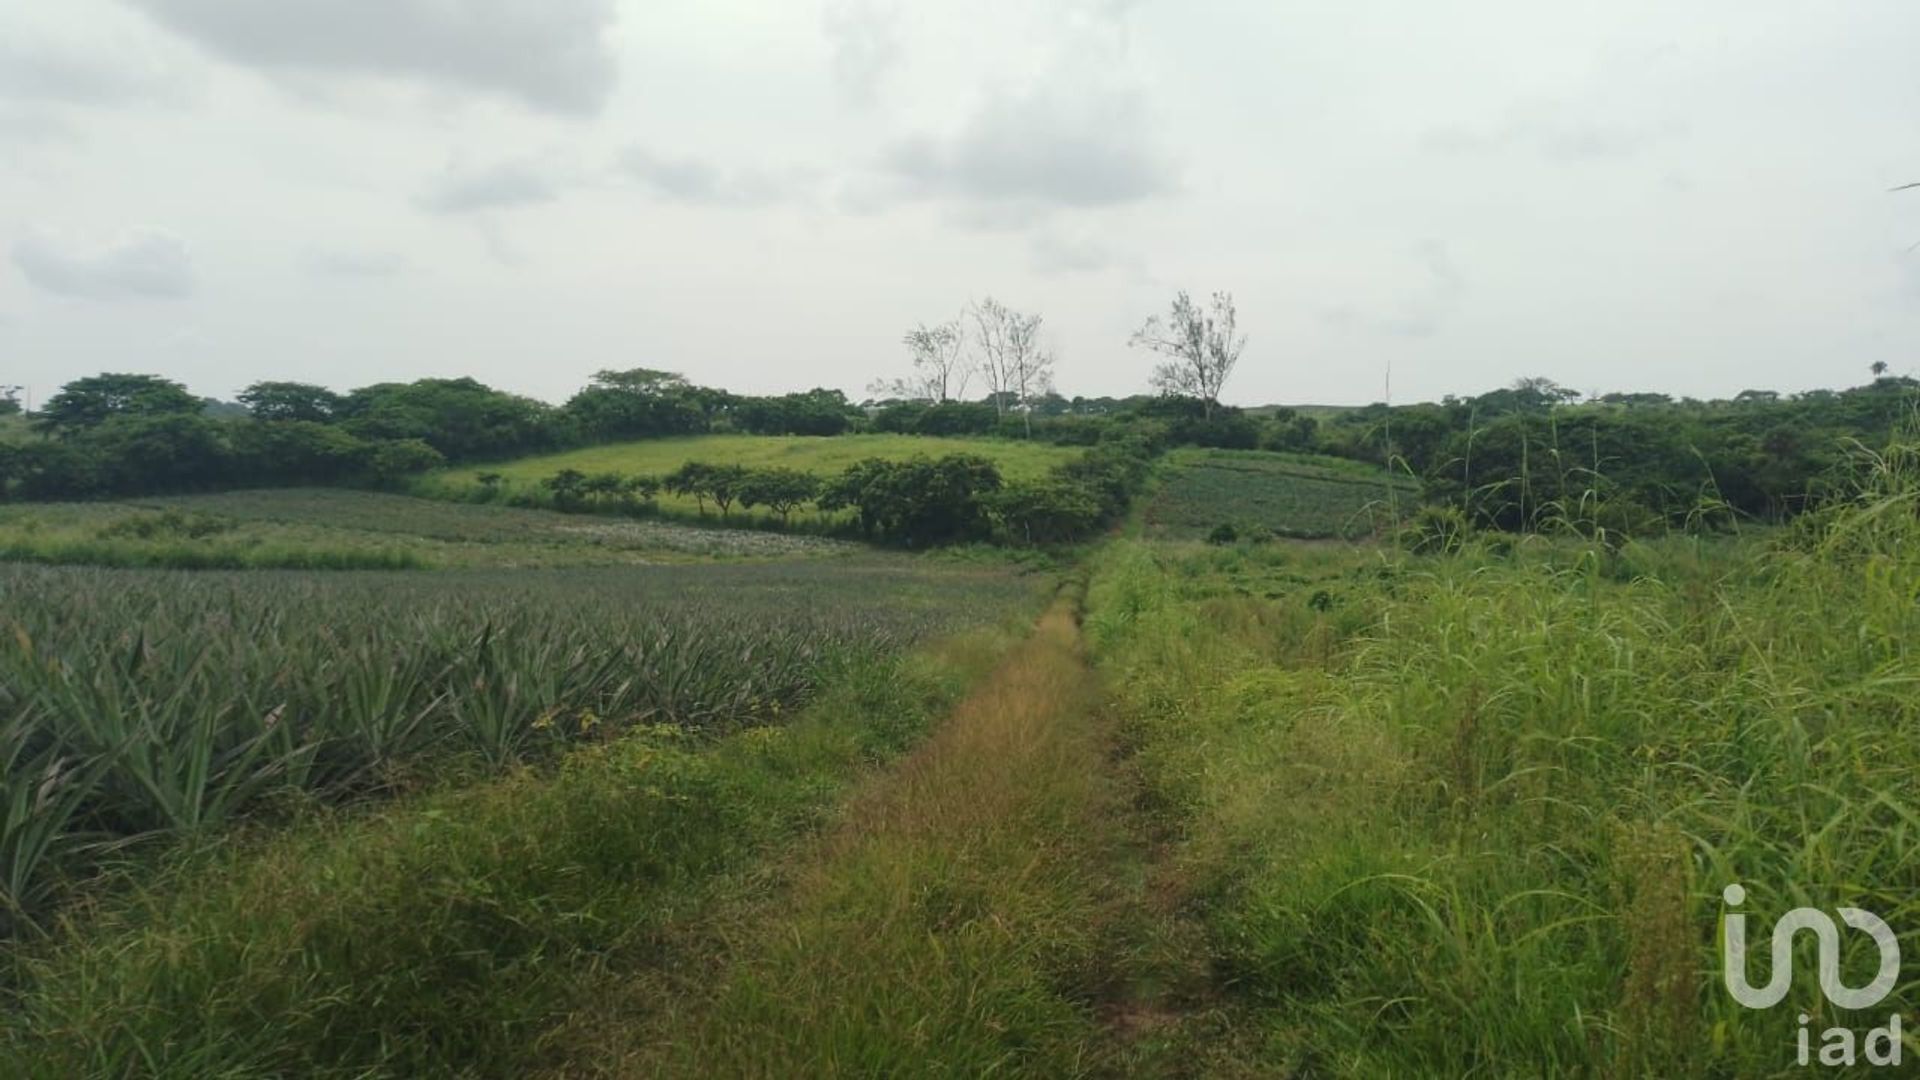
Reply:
x=820 y=455
x=1471 y=815
x=941 y=928
x=1259 y=492
x=324 y=528
x=461 y=931
x=147 y=705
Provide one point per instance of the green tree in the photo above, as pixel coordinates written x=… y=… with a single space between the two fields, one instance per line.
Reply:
x=690 y=480
x=1050 y=511
x=781 y=490
x=84 y=404
x=918 y=502
x=290 y=401
x=463 y=419
x=140 y=452
x=296 y=452
x=393 y=459
x=569 y=488
x=640 y=403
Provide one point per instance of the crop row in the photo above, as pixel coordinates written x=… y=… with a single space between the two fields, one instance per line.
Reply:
x=142 y=705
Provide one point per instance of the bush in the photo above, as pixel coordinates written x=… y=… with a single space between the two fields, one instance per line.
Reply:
x=1224 y=533
x=1435 y=530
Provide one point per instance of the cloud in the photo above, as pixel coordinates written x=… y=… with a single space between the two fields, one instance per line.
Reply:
x=1421 y=314
x=551 y=54
x=143 y=264
x=866 y=46
x=1547 y=130
x=1056 y=253
x=461 y=189
x=349 y=263
x=1044 y=149
x=695 y=181
x=49 y=72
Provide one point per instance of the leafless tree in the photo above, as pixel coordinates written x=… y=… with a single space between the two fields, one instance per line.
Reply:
x=1200 y=346
x=1009 y=355
x=941 y=365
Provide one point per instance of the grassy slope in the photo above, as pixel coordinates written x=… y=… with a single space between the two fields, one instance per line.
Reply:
x=815 y=454
x=1297 y=495
x=462 y=932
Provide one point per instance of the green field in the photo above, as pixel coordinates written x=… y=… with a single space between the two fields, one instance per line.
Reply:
x=1259 y=492
x=322 y=528
x=820 y=455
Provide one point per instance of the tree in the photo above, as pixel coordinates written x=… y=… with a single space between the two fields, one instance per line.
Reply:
x=84 y=404
x=1048 y=511
x=395 y=458
x=638 y=403
x=724 y=485
x=690 y=479
x=941 y=366
x=568 y=487
x=1009 y=356
x=463 y=419
x=1200 y=347
x=290 y=401
x=295 y=452
x=780 y=490
x=9 y=400
x=917 y=502
x=1879 y=368
x=141 y=453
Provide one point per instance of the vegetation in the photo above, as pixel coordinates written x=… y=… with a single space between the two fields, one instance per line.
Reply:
x=139 y=706
x=1444 y=814
x=464 y=931
x=317 y=529
x=938 y=927
x=1258 y=493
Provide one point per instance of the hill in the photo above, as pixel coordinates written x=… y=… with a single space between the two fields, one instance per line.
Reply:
x=819 y=455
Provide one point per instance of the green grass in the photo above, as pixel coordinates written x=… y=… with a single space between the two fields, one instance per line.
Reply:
x=943 y=928
x=325 y=528
x=1471 y=815
x=820 y=455
x=1263 y=493
x=464 y=932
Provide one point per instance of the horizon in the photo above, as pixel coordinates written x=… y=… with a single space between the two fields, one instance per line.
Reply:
x=1693 y=202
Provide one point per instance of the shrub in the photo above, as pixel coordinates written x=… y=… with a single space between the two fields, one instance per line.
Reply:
x=1435 y=530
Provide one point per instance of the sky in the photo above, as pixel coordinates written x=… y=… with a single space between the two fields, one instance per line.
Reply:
x=1406 y=199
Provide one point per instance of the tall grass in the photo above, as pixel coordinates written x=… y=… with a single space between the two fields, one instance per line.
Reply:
x=1473 y=814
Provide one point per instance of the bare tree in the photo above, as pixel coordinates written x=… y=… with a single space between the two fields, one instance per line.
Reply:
x=1200 y=347
x=1009 y=356
x=941 y=365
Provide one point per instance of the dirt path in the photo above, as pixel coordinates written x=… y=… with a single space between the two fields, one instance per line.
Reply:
x=991 y=905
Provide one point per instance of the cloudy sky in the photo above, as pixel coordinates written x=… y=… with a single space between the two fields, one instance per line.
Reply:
x=764 y=194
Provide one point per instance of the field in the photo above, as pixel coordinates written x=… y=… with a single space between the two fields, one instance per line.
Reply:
x=822 y=456
x=317 y=528
x=1239 y=808
x=1257 y=492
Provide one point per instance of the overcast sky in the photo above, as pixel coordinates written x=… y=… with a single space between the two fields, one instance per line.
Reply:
x=764 y=195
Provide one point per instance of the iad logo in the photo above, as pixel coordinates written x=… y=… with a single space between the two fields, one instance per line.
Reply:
x=1837 y=1045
